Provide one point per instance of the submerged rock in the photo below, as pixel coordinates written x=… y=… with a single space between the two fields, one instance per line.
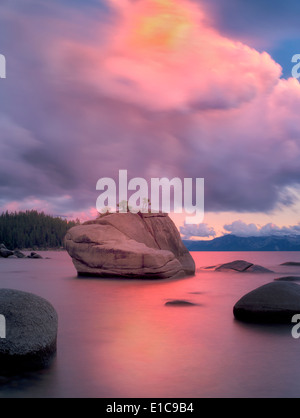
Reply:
x=289 y=279
x=255 y=268
x=34 y=255
x=241 y=266
x=30 y=332
x=275 y=302
x=178 y=302
x=291 y=263
x=142 y=246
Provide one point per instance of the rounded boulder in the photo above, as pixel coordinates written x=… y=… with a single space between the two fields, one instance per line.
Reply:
x=275 y=302
x=28 y=331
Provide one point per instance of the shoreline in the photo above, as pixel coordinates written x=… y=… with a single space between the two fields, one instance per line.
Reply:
x=39 y=249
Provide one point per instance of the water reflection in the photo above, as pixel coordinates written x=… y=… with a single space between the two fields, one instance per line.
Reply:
x=118 y=339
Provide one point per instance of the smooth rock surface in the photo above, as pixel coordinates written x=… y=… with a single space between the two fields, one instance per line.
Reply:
x=142 y=246
x=19 y=254
x=275 y=302
x=291 y=263
x=34 y=255
x=241 y=266
x=31 y=332
x=5 y=253
x=179 y=302
x=289 y=279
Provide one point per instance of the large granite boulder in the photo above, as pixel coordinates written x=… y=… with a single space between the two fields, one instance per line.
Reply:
x=275 y=302
x=128 y=245
x=28 y=332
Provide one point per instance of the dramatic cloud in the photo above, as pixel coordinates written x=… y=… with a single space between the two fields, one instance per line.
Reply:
x=257 y=23
x=255 y=20
x=161 y=55
x=149 y=86
x=201 y=230
x=241 y=229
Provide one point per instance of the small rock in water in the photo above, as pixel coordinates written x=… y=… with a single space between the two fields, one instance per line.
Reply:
x=291 y=263
x=196 y=293
x=178 y=302
x=258 y=269
x=289 y=279
x=242 y=266
x=34 y=255
x=19 y=254
x=4 y=252
x=238 y=265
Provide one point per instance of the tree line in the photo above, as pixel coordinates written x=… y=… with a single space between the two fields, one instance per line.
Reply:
x=32 y=229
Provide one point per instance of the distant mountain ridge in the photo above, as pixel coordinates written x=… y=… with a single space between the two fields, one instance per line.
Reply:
x=231 y=242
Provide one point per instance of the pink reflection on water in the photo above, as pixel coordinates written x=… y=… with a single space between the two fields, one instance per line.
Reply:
x=118 y=339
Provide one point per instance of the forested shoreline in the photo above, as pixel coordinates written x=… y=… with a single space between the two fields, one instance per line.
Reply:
x=33 y=229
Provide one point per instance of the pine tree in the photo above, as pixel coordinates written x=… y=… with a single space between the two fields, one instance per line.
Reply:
x=32 y=229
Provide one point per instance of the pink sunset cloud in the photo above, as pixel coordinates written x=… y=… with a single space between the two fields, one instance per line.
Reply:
x=163 y=55
x=152 y=87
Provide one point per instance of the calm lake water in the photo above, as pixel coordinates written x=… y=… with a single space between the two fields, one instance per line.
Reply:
x=118 y=339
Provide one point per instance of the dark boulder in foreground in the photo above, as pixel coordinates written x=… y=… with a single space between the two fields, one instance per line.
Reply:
x=288 y=279
x=241 y=266
x=275 y=302
x=30 y=332
x=127 y=245
x=179 y=302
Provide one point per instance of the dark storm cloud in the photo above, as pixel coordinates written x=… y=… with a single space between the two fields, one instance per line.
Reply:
x=256 y=19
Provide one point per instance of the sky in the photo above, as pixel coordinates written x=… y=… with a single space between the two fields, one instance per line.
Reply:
x=161 y=88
